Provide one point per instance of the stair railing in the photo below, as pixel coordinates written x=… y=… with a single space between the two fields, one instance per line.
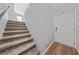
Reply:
x=3 y=11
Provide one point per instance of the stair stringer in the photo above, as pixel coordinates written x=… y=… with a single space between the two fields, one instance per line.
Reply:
x=3 y=23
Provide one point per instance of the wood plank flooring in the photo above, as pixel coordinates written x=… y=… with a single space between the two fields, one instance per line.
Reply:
x=61 y=49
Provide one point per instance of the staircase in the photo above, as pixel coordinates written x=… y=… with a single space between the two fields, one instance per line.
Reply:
x=17 y=40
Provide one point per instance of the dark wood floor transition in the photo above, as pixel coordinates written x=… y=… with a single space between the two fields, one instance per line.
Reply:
x=61 y=49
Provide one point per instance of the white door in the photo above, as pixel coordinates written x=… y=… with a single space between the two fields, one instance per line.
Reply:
x=65 y=29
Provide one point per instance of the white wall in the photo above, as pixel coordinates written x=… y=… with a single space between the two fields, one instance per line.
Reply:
x=20 y=7
x=60 y=8
x=77 y=28
x=16 y=9
x=39 y=20
x=65 y=29
x=11 y=12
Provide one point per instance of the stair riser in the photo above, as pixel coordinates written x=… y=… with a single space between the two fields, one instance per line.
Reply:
x=15 y=33
x=12 y=29
x=9 y=47
x=16 y=37
x=10 y=40
x=12 y=25
x=16 y=23
x=29 y=50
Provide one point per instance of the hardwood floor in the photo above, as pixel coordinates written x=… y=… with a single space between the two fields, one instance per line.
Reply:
x=61 y=49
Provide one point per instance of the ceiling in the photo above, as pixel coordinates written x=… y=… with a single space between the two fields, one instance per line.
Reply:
x=20 y=8
x=60 y=8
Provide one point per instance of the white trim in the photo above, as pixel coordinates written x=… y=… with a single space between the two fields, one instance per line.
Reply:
x=75 y=27
x=65 y=43
x=59 y=42
x=47 y=48
x=77 y=50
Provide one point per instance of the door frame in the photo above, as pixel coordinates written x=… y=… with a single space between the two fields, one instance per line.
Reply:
x=74 y=27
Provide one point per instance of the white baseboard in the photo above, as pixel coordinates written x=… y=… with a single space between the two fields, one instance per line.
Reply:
x=47 y=48
x=77 y=48
x=65 y=43
x=59 y=42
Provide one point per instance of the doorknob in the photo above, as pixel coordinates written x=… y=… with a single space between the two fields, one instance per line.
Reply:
x=56 y=29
